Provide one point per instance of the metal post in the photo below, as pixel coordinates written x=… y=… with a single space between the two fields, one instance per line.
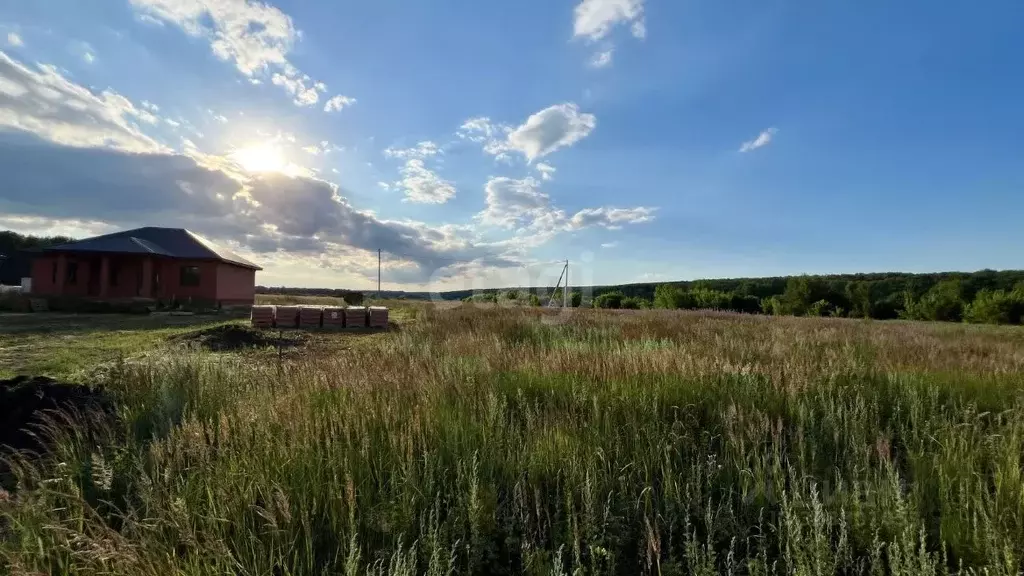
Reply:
x=378 y=274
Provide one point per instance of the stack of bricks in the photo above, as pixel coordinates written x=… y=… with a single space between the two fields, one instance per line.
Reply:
x=334 y=317
x=378 y=317
x=310 y=316
x=263 y=316
x=287 y=316
x=355 y=317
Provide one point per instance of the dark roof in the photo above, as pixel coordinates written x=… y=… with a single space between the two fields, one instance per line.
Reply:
x=167 y=242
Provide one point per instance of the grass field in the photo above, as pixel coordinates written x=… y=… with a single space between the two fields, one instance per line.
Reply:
x=297 y=299
x=511 y=441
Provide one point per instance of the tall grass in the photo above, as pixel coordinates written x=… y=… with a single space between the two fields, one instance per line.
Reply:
x=286 y=299
x=503 y=441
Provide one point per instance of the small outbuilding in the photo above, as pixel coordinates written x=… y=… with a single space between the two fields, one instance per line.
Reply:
x=166 y=264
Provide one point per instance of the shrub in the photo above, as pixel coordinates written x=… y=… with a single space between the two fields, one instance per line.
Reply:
x=672 y=297
x=942 y=302
x=820 y=308
x=634 y=303
x=609 y=300
x=996 y=307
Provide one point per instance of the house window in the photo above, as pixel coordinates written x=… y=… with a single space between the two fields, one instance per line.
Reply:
x=189 y=276
x=72 y=273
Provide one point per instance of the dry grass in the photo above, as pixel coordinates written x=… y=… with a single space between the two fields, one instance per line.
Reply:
x=290 y=299
x=490 y=441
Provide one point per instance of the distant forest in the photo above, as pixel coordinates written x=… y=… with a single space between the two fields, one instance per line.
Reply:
x=11 y=242
x=987 y=296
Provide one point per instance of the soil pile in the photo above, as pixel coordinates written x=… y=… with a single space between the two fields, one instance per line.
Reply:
x=30 y=403
x=237 y=337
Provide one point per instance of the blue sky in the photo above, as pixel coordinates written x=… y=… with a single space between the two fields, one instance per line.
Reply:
x=477 y=142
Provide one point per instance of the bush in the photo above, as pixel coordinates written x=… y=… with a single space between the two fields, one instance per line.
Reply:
x=943 y=302
x=672 y=297
x=708 y=299
x=996 y=307
x=634 y=303
x=609 y=300
x=354 y=298
x=820 y=308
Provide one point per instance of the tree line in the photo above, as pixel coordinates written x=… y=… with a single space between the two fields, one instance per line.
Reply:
x=11 y=242
x=987 y=297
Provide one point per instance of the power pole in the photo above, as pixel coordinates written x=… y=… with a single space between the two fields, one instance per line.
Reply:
x=378 y=273
x=566 y=299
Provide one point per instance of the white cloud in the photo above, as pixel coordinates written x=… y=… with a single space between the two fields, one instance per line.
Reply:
x=384 y=186
x=547 y=171
x=423 y=149
x=251 y=35
x=609 y=244
x=478 y=129
x=550 y=129
x=220 y=118
x=311 y=149
x=88 y=57
x=602 y=59
x=611 y=218
x=336 y=103
x=521 y=205
x=639 y=29
x=172 y=123
x=512 y=202
x=763 y=139
x=14 y=39
x=43 y=102
x=150 y=20
x=254 y=36
x=544 y=132
x=422 y=185
x=149 y=106
x=594 y=19
x=304 y=90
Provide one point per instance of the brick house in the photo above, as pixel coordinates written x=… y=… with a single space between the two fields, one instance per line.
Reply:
x=165 y=264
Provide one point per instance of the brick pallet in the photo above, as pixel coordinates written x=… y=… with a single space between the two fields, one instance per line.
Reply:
x=263 y=316
x=355 y=317
x=310 y=316
x=334 y=317
x=287 y=316
x=378 y=317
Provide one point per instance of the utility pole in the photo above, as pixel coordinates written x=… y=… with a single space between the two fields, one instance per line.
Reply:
x=378 y=273
x=566 y=299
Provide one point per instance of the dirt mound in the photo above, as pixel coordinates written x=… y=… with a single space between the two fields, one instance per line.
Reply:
x=236 y=337
x=30 y=403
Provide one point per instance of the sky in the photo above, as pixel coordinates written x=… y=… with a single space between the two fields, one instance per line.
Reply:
x=478 y=144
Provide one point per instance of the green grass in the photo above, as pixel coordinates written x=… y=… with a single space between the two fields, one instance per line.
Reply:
x=494 y=441
x=63 y=345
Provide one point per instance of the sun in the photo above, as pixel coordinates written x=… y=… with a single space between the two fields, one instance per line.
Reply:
x=263 y=157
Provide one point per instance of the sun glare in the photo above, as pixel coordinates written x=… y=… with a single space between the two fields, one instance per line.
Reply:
x=260 y=158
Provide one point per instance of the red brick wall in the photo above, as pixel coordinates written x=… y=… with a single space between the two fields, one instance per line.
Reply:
x=43 y=276
x=235 y=285
x=170 y=280
x=129 y=271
